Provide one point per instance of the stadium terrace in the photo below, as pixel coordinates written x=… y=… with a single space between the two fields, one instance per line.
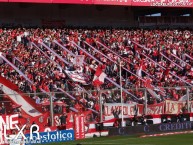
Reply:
x=93 y=69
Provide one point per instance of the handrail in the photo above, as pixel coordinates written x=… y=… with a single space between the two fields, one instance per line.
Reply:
x=54 y=53
x=73 y=56
x=113 y=61
x=188 y=56
x=180 y=59
x=123 y=58
x=163 y=67
x=171 y=60
x=106 y=77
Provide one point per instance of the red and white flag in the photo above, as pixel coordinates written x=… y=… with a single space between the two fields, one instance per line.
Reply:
x=77 y=77
x=78 y=60
x=99 y=77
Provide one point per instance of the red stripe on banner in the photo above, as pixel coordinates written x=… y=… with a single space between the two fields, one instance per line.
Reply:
x=15 y=88
x=155 y=116
x=155 y=109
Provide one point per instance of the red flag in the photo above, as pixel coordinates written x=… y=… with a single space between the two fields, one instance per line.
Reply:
x=99 y=77
x=148 y=84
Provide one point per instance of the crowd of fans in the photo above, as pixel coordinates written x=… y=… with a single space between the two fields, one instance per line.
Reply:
x=47 y=71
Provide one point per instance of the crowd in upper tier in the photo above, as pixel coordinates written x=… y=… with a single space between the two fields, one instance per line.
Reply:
x=163 y=56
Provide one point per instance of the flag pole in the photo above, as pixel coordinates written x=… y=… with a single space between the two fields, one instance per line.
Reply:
x=121 y=94
x=100 y=101
x=51 y=110
x=188 y=99
x=145 y=112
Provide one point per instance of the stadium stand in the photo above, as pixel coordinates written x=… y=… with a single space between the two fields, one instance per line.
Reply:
x=96 y=65
x=164 y=57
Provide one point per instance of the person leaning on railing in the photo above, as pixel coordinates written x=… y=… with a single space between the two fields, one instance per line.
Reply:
x=142 y=120
x=63 y=118
x=135 y=120
x=116 y=124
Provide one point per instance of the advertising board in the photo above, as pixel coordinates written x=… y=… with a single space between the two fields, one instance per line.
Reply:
x=151 y=129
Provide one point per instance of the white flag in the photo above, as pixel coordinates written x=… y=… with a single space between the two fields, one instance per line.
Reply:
x=139 y=70
x=19 y=38
x=26 y=34
x=78 y=60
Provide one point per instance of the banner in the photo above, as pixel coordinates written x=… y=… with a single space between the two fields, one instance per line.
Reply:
x=28 y=106
x=163 y=3
x=155 y=109
x=140 y=109
x=79 y=126
x=113 y=110
x=173 y=107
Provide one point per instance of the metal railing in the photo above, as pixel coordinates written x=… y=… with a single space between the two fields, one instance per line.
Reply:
x=171 y=93
x=103 y=97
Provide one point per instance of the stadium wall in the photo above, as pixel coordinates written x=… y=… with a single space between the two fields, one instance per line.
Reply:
x=29 y=15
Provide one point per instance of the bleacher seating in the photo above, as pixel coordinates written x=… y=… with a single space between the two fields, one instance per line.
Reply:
x=163 y=56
